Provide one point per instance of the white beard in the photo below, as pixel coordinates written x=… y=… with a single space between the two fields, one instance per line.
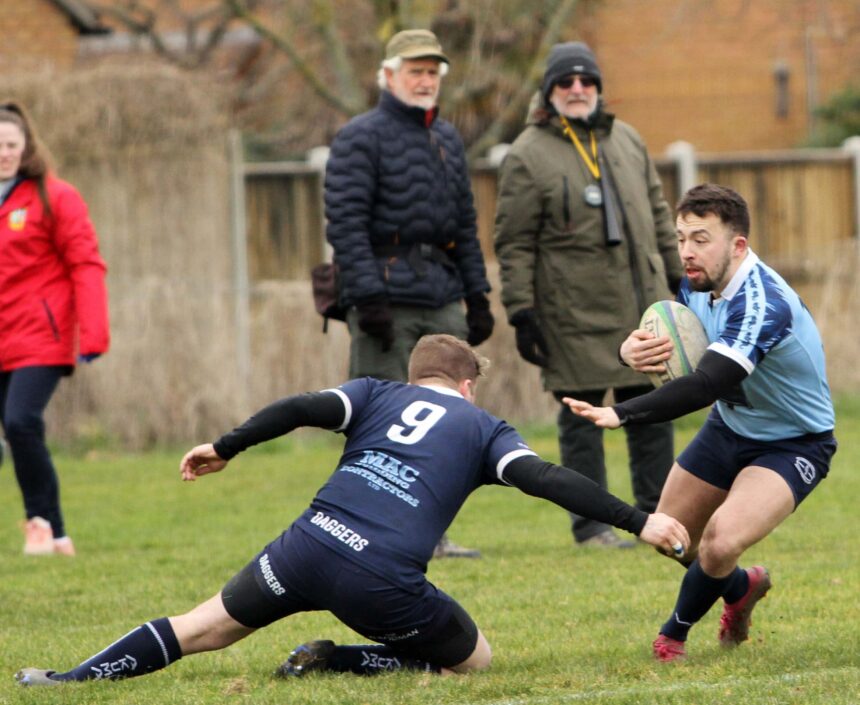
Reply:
x=563 y=108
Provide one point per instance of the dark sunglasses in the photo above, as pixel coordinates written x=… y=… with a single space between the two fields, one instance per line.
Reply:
x=584 y=81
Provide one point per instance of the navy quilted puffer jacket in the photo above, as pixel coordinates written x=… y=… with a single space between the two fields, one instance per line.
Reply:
x=399 y=207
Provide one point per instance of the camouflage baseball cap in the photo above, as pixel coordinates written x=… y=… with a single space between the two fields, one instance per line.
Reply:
x=415 y=44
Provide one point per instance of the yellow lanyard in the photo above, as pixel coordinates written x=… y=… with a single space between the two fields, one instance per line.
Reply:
x=592 y=164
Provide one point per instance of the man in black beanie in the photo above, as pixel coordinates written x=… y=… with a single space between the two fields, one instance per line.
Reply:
x=585 y=241
x=568 y=59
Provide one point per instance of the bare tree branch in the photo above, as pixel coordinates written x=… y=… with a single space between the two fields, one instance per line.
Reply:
x=497 y=51
x=141 y=20
x=283 y=44
x=516 y=108
x=347 y=84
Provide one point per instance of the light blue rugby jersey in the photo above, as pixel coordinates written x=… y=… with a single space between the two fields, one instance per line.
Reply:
x=761 y=323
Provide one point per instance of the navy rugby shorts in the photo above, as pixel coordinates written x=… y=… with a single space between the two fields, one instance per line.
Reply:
x=296 y=573
x=717 y=454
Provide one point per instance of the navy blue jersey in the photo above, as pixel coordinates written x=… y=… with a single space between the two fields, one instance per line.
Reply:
x=413 y=455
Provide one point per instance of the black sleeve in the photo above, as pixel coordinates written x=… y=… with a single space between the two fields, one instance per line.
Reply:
x=319 y=409
x=715 y=377
x=572 y=491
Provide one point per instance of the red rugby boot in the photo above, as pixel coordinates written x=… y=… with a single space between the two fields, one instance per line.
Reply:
x=667 y=650
x=735 y=621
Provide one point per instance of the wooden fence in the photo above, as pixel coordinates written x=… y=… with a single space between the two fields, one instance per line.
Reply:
x=803 y=203
x=285 y=223
x=804 y=207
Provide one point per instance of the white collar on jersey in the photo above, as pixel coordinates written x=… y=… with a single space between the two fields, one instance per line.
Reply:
x=443 y=390
x=734 y=284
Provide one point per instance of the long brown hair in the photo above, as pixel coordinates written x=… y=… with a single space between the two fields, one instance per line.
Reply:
x=34 y=160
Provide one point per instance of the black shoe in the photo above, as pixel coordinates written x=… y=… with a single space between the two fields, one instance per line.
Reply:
x=312 y=656
x=607 y=539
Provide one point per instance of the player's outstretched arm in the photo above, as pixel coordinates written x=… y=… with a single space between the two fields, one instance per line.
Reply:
x=603 y=416
x=580 y=495
x=200 y=460
x=319 y=409
x=716 y=376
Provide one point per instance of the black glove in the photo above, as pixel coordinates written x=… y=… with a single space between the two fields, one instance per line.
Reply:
x=374 y=318
x=478 y=318
x=530 y=341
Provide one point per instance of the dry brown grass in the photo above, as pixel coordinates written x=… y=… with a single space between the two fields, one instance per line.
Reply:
x=833 y=296
x=146 y=147
x=135 y=107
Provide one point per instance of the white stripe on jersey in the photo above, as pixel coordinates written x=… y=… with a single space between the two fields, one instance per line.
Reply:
x=347 y=404
x=734 y=355
x=508 y=458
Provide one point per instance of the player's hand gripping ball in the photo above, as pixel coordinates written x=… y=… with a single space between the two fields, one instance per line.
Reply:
x=686 y=332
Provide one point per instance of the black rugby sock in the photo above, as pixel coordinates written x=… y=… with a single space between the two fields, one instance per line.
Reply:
x=699 y=591
x=737 y=588
x=150 y=647
x=370 y=659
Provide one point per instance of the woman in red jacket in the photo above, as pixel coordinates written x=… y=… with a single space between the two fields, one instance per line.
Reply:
x=53 y=311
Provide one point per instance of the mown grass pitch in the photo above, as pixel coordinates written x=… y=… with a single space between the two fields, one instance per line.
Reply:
x=566 y=625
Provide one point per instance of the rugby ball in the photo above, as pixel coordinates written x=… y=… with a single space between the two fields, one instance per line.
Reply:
x=687 y=334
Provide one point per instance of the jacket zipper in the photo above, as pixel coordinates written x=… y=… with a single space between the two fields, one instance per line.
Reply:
x=51 y=320
x=565 y=196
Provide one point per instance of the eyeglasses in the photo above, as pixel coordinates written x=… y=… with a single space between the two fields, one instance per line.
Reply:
x=584 y=81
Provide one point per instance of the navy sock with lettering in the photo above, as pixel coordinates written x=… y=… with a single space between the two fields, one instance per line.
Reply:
x=369 y=659
x=699 y=591
x=148 y=648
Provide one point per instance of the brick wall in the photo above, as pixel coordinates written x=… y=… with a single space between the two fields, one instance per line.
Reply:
x=703 y=70
x=36 y=32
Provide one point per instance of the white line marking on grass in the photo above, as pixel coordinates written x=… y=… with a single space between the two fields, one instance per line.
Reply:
x=655 y=689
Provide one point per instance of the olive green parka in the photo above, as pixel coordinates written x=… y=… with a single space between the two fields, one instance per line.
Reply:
x=553 y=255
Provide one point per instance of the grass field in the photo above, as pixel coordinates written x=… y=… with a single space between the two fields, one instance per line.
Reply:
x=567 y=625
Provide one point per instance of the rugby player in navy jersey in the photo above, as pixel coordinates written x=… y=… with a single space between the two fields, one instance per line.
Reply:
x=767 y=442
x=413 y=454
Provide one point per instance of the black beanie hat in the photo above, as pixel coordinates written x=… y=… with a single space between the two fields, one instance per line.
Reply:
x=566 y=59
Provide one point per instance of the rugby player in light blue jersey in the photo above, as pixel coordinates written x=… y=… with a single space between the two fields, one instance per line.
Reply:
x=768 y=440
x=413 y=454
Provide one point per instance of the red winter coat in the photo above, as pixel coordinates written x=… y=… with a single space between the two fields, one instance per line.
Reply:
x=53 y=300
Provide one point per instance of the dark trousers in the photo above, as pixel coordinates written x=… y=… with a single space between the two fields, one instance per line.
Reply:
x=650 y=447
x=366 y=358
x=24 y=394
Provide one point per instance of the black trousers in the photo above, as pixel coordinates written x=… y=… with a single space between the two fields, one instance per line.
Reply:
x=650 y=447
x=24 y=394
